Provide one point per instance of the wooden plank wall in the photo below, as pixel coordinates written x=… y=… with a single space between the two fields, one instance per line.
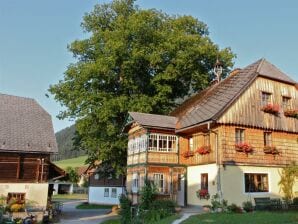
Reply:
x=21 y=167
x=247 y=109
x=286 y=143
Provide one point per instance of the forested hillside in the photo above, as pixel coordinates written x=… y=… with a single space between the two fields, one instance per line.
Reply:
x=65 y=144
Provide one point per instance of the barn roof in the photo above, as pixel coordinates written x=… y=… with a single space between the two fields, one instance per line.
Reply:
x=25 y=126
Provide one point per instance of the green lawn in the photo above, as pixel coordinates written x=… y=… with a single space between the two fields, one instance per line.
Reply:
x=246 y=218
x=74 y=162
x=93 y=206
x=167 y=220
x=59 y=197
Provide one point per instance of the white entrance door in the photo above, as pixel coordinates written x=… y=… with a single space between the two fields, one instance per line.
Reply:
x=181 y=190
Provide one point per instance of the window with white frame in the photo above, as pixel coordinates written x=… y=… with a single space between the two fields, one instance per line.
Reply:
x=135 y=182
x=286 y=102
x=239 y=135
x=162 y=143
x=158 y=180
x=106 y=192
x=137 y=144
x=114 y=193
x=256 y=182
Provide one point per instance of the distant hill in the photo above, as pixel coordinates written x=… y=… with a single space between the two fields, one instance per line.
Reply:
x=65 y=145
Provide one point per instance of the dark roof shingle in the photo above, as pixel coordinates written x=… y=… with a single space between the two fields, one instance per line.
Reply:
x=25 y=126
x=154 y=120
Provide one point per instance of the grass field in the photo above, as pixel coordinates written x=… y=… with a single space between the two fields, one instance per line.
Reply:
x=62 y=197
x=246 y=218
x=74 y=162
x=167 y=220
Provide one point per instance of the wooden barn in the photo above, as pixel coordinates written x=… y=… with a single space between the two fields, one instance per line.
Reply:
x=232 y=138
x=26 y=142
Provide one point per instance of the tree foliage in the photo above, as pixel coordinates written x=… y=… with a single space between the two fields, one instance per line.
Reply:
x=134 y=60
x=288 y=177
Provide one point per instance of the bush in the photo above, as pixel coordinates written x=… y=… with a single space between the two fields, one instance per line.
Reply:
x=295 y=201
x=125 y=210
x=247 y=206
x=234 y=208
x=167 y=205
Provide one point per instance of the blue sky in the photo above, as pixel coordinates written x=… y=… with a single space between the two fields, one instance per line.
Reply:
x=34 y=35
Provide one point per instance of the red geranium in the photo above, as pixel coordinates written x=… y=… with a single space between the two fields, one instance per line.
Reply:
x=243 y=147
x=271 y=108
x=204 y=150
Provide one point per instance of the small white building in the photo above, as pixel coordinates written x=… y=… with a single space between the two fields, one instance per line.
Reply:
x=105 y=190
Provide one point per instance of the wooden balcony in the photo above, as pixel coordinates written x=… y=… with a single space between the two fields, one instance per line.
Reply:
x=163 y=157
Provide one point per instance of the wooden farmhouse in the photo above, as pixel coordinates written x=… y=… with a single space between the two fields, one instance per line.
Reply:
x=233 y=139
x=26 y=142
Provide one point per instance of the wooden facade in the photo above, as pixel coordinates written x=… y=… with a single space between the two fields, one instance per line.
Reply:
x=24 y=167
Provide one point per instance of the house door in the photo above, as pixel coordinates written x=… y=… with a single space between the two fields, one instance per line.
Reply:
x=181 y=190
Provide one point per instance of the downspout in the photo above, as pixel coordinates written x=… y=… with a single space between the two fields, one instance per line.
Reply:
x=219 y=190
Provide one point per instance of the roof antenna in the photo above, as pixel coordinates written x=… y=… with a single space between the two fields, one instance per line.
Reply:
x=217 y=70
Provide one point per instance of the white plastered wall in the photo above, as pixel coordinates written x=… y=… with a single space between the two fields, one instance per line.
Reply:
x=233 y=186
x=96 y=195
x=37 y=193
x=194 y=183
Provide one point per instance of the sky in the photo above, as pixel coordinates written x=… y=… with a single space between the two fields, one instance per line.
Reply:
x=34 y=36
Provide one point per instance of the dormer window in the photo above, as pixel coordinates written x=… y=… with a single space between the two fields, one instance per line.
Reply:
x=286 y=102
x=266 y=98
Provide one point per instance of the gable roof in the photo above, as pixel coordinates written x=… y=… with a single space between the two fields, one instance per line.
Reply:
x=154 y=120
x=25 y=126
x=208 y=105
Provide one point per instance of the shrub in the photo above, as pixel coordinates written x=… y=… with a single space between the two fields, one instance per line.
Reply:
x=247 y=206
x=125 y=210
x=234 y=208
x=167 y=205
x=295 y=201
x=148 y=193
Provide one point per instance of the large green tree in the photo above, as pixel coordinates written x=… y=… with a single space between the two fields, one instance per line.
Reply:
x=134 y=60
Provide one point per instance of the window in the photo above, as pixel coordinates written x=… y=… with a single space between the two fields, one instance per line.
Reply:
x=265 y=98
x=206 y=140
x=267 y=139
x=256 y=182
x=191 y=144
x=19 y=197
x=204 y=181
x=153 y=142
x=286 y=102
x=137 y=144
x=239 y=135
x=135 y=182
x=114 y=193
x=162 y=143
x=158 y=180
x=96 y=176
x=106 y=192
x=179 y=182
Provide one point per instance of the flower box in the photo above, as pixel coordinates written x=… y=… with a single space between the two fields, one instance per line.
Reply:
x=291 y=113
x=188 y=154
x=271 y=150
x=204 y=150
x=243 y=147
x=271 y=108
x=203 y=194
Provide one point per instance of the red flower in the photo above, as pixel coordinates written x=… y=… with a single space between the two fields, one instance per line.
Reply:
x=203 y=150
x=187 y=154
x=271 y=108
x=243 y=147
x=291 y=113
